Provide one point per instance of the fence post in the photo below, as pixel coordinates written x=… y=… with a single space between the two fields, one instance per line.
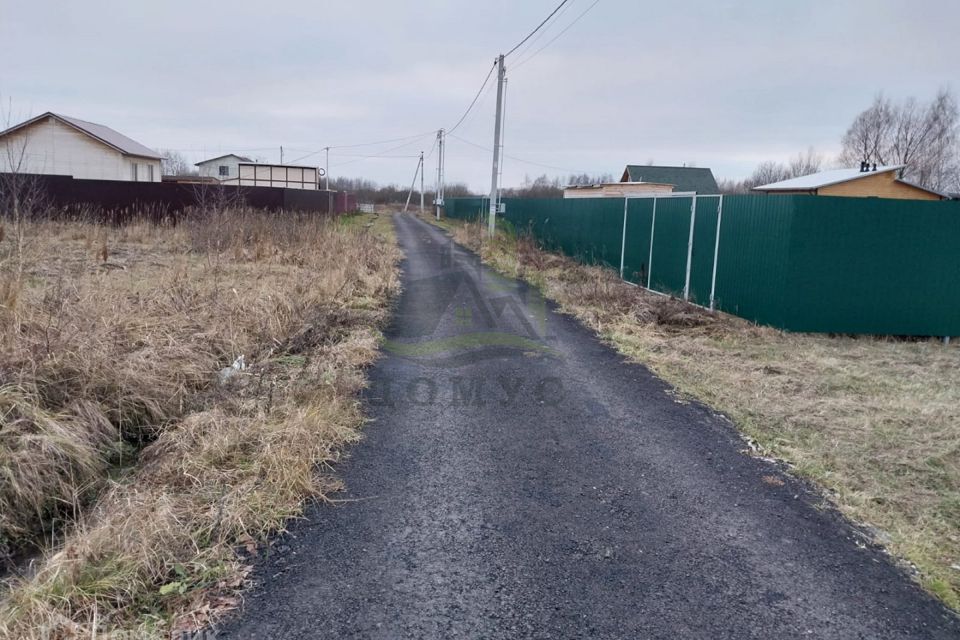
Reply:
x=716 y=255
x=653 y=228
x=623 y=242
x=693 y=222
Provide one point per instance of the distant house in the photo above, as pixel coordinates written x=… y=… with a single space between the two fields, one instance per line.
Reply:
x=697 y=180
x=238 y=170
x=616 y=190
x=867 y=181
x=55 y=144
x=222 y=167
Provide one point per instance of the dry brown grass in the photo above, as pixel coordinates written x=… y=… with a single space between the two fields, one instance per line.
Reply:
x=122 y=456
x=874 y=422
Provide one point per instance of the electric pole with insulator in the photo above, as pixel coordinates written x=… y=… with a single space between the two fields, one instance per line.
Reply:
x=494 y=182
x=438 y=199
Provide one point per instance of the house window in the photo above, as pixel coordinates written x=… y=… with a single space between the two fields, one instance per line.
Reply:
x=224 y=171
x=133 y=169
x=150 y=173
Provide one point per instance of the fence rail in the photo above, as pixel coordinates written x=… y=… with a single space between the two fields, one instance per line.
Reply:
x=799 y=263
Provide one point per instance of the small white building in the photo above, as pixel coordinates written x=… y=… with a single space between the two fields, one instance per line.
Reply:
x=222 y=167
x=617 y=190
x=55 y=144
x=238 y=170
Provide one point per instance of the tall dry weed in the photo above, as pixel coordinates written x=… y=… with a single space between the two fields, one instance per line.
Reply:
x=122 y=452
x=107 y=355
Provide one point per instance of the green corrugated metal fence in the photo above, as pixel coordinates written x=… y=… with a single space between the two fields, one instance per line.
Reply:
x=800 y=263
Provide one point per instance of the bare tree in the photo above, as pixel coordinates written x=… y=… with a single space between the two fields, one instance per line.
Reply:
x=541 y=187
x=585 y=179
x=457 y=190
x=868 y=137
x=921 y=136
x=767 y=173
x=729 y=187
x=216 y=199
x=804 y=164
x=173 y=163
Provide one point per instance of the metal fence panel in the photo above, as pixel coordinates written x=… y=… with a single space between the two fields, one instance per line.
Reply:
x=636 y=257
x=588 y=230
x=464 y=208
x=704 y=242
x=875 y=266
x=668 y=267
x=753 y=257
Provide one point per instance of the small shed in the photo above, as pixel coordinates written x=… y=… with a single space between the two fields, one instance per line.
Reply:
x=288 y=176
x=867 y=181
x=242 y=171
x=226 y=167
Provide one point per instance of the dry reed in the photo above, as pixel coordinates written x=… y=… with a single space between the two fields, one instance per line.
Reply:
x=126 y=456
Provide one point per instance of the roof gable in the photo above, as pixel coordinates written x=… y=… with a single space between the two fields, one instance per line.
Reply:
x=684 y=179
x=227 y=155
x=101 y=133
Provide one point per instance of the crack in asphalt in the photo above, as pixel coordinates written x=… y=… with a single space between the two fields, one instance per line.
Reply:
x=519 y=479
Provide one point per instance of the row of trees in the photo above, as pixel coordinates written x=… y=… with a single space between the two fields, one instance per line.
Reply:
x=767 y=172
x=540 y=187
x=546 y=187
x=369 y=191
x=921 y=135
x=173 y=163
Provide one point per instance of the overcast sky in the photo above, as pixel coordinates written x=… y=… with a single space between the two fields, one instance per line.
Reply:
x=718 y=83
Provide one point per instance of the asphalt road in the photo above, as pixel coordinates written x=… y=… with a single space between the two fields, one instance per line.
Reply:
x=520 y=480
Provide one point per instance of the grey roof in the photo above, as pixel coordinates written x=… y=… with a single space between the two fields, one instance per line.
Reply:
x=686 y=179
x=112 y=138
x=226 y=155
x=99 y=132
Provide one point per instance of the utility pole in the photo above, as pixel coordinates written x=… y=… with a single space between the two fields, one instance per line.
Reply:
x=443 y=168
x=414 y=183
x=494 y=181
x=438 y=199
x=326 y=170
x=326 y=184
x=503 y=136
x=281 y=155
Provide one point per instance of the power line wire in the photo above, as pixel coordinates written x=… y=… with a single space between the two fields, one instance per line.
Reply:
x=382 y=154
x=516 y=159
x=413 y=138
x=540 y=26
x=555 y=38
x=432 y=149
x=374 y=144
x=354 y=155
x=546 y=30
x=473 y=104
